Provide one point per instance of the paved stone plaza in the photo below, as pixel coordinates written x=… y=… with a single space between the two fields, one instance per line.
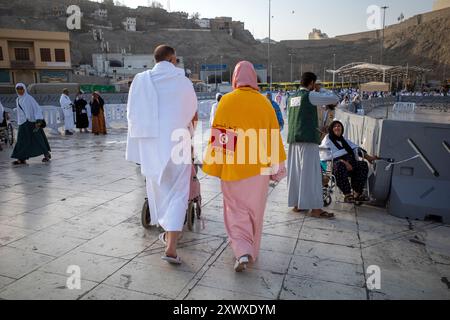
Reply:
x=84 y=209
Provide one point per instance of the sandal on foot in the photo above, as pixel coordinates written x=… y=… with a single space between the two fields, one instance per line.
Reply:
x=18 y=162
x=162 y=238
x=46 y=159
x=323 y=215
x=362 y=198
x=349 y=199
x=298 y=210
x=241 y=264
x=171 y=260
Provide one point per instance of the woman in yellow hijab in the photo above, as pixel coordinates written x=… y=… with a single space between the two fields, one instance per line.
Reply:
x=246 y=152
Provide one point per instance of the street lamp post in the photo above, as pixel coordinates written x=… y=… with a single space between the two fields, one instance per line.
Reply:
x=384 y=27
x=221 y=70
x=292 y=66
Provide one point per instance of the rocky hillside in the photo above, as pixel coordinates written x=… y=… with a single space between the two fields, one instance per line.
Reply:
x=426 y=45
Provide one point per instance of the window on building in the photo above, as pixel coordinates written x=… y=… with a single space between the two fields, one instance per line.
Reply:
x=1 y=54
x=22 y=54
x=46 y=55
x=60 y=55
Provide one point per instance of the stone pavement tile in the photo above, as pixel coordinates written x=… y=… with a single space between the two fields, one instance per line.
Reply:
x=104 y=292
x=300 y=288
x=404 y=284
x=212 y=228
x=345 y=238
x=93 y=267
x=275 y=217
x=42 y=242
x=324 y=251
x=6 y=195
x=31 y=221
x=25 y=188
x=326 y=270
x=437 y=244
x=30 y=204
x=15 y=263
x=377 y=220
x=278 y=244
x=4 y=281
x=11 y=209
x=101 y=217
x=200 y=292
x=194 y=242
x=166 y=282
x=82 y=202
x=289 y=229
x=59 y=209
x=253 y=282
x=344 y=221
x=101 y=194
x=40 y=285
x=401 y=254
x=267 y=261
x=193 y=260
x=121 y=186
x=77 y=230
x=115 y=246
x=10 y=234
x=134 y=232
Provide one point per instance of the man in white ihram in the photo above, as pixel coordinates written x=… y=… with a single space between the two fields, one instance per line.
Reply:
x=161 y=101
x=67 y=108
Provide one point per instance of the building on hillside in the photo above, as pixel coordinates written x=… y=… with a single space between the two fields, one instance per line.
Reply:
x=203 y=23
x=100 y=14
x=317 y=34
x=30 y=56
x=222 y=24
x=441 y=4
x=121 y=65
x=130 y=24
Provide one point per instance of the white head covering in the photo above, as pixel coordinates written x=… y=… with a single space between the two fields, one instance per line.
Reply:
x=31 y=109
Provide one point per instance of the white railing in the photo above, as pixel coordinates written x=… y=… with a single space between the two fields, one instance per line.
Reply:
x=404 y=107
x=115 y=114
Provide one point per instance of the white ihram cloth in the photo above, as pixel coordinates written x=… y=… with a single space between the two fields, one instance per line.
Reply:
x=161 y=101
x=27 y=107
x=66 y=106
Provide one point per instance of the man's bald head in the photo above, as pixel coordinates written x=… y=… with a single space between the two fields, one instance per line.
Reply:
x=164 y=53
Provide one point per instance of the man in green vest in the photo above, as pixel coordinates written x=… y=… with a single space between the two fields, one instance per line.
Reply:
x=304 y=171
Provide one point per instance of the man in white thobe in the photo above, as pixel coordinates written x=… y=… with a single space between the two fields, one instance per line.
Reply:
x=67 y=108
x=161 y=104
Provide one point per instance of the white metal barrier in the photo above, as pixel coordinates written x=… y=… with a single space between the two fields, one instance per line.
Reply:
x=404 y=107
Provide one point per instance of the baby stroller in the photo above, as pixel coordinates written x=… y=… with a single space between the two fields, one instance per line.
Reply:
x=194 y=206
x=6 y=130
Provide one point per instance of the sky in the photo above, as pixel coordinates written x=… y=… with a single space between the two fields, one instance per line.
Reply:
x=294 y=19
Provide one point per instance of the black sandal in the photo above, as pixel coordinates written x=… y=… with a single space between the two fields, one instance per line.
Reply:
x=46 y=159
x=19 y=162
x=349 y=199
x=323 y=215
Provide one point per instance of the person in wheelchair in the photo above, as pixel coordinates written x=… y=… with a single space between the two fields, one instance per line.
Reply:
x=351 y=173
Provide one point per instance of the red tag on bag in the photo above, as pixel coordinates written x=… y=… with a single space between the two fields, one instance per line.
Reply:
x=224 y=139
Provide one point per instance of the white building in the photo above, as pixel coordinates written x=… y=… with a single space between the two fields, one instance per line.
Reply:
x=121 y=65
x=130 y=24
x=203 y=23
x=101 y=13
x=317 y=34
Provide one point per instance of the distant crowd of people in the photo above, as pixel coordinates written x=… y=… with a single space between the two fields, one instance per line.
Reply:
x=31 y=138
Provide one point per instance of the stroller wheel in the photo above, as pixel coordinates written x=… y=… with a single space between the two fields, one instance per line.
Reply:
x=10 y=135
x=145 y=215
x=326 y=200
x=190 y=216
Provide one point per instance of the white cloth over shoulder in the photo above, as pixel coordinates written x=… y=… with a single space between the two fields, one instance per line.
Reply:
x=328 y=149
x=27 y=107
x=160 y=101
x=66 y=105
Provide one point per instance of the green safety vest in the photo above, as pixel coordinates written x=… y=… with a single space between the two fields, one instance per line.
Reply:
x=303 y=119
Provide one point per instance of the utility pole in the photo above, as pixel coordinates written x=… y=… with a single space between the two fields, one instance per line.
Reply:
x=384 y=27
x=292 y=66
